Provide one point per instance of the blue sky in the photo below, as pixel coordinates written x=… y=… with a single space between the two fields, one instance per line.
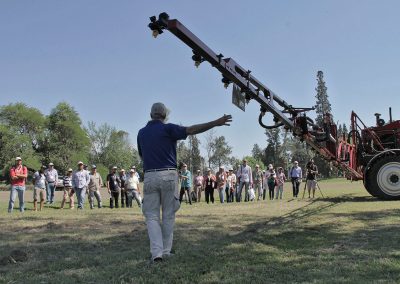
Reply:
x=100 y=57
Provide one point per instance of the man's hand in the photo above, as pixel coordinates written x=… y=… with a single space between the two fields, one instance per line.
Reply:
x=224 y=120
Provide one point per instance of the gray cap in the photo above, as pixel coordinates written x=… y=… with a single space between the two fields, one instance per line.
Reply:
x=159 y=109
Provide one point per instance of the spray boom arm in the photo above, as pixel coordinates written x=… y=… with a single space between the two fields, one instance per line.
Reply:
x=247 y=87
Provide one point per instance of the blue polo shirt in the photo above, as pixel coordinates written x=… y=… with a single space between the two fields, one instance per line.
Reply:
x=157 y=144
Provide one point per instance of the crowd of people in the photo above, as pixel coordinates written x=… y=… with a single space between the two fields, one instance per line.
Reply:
x=230 y=184
x=122 y=187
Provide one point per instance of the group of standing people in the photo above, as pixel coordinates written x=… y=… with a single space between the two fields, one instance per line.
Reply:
x=255 y=183
x=79 y=183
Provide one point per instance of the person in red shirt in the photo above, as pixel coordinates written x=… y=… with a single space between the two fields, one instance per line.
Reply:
x=18 y=174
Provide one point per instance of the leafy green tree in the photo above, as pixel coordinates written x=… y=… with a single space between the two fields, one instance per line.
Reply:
x=221 y=152
x=66 y=141
x=273 y=150
x=257 y=153
x=13 y=145
x=20 y=131
x=119 y=151
x=24 y=120
x=252 y=162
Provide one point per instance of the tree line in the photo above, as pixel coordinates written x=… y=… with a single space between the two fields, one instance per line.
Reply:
x=60 y=138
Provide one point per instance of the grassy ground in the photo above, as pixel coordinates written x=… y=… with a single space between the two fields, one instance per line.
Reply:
x=346 y=237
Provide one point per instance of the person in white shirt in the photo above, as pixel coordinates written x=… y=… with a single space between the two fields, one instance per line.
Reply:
x=245 y=178
x=133 y=188
x=296 y=176
x=39 y=191
x=52 y=179
x=80 y=182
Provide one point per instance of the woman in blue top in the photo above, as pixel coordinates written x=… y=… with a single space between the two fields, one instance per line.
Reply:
x=186 y=181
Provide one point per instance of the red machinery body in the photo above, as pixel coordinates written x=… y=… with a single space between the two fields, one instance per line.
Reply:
x=370 y=154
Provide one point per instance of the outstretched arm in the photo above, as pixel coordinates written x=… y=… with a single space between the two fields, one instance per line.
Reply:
x=200 y=128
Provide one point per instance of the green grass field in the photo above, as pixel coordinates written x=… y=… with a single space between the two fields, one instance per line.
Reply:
x=347 y=237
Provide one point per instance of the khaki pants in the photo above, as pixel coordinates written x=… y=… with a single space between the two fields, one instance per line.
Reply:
x=160 y=191
x=39 y=193
x=258 y=188
x=311 y=184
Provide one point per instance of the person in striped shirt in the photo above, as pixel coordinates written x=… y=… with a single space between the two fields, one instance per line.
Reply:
x=68 y=190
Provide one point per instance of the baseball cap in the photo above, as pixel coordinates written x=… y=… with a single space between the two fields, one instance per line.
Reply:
x=43 y=166
x=122 y=170
x=18 y=159
x=159 y=109
x=198 y=171
x=230 y=169
x=296 y=162
x=51 y=164
x=79 y=163
x=94 y=166
x=132 y=170
x=208 y=169
x=70 y=170
x=133 y=167
x=115 y=167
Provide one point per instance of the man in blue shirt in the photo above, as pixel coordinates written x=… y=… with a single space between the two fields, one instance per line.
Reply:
x=157 y=149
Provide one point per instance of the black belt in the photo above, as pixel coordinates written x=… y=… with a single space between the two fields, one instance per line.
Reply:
x=160 y=170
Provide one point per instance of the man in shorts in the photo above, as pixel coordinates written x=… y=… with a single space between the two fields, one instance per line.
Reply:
x=39 y=190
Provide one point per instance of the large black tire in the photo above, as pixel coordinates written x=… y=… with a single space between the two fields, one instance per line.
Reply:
x=382 y=179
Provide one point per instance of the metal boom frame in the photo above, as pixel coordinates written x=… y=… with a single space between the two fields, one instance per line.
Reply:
x=232 y=72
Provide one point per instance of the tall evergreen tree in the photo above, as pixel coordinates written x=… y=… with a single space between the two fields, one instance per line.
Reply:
x=322 y=105
x=257 y=153
x=195 y=162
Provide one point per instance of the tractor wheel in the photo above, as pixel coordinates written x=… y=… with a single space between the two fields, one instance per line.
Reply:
x=382 y=180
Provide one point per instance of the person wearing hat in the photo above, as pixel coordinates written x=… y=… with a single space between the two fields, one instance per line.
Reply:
x=230 y=185
x=68 y=190
x=18 y=174
x=39 y=190
x=295 y=174
x=221 y=182
x=210 y=182
x=80 y=181
x=185 y=177
x=270 y=182
x=258 y=182
x=113 y=186
x=136 y=173
x=124 y=194
x=133 y=188
x=280 y=178
x=157 y=143
x=95 y=184
x=198 y=185
x=245 y=178
x=51 y=178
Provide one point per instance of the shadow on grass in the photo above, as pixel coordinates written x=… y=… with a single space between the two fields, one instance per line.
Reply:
x=281 y=249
